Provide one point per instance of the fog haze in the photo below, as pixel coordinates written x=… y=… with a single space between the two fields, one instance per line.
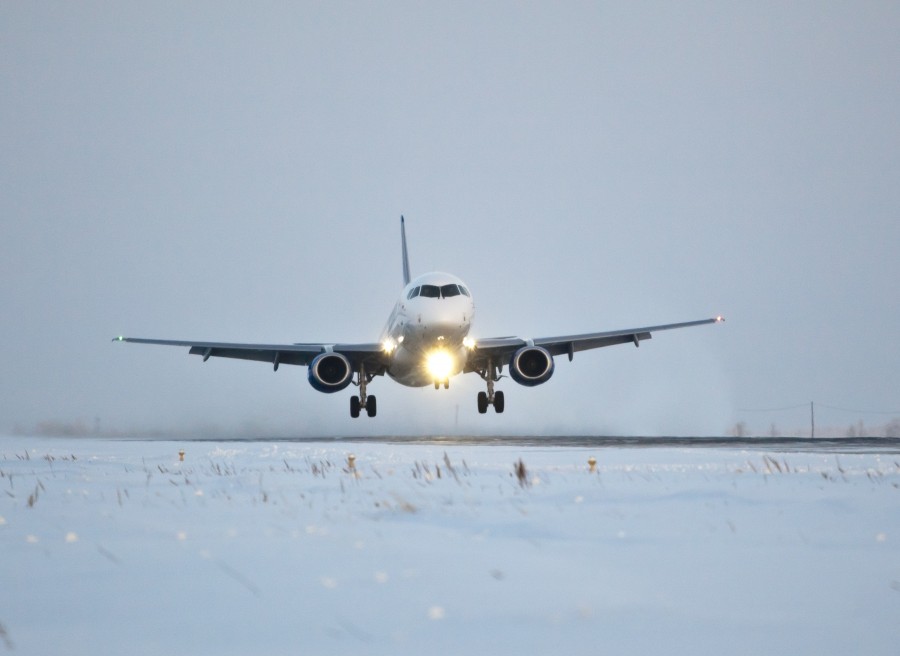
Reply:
x=236 y=173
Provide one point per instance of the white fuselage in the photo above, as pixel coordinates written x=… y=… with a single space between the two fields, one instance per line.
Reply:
x=426 y=331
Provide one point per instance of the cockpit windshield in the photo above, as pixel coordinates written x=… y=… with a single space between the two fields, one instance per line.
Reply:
x=434 y=291
x=449 y=290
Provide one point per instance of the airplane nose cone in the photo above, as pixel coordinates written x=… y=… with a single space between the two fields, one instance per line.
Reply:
x=454 y=314
x=450 y=320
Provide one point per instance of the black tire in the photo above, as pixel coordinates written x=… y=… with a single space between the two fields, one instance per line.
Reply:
x=499 y=402
x=482 y=402
x=371 y=407
x=354 y=406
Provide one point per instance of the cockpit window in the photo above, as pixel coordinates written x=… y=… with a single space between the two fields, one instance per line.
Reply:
x=434 y=291
x=449 y=290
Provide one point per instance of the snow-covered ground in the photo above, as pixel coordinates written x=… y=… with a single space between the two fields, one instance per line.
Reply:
x=118 y=547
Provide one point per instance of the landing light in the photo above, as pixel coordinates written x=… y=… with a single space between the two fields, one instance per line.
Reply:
x=439 y=364
x=469 y=343
x=388 y=346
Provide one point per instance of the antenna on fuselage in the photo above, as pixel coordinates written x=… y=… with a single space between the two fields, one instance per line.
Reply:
x=405 y=254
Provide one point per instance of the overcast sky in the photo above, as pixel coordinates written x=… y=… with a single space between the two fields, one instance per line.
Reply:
x=233 y=171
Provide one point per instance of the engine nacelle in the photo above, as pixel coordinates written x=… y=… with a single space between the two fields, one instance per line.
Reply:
x=531 y=365
x=330 y=372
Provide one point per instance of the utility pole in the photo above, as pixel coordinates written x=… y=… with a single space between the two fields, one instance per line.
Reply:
x=812 y=420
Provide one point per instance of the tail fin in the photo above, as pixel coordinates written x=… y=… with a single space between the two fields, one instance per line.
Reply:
x=405 y=254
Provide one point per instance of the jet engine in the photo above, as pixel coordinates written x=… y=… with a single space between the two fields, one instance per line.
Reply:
x=531 y=365
x=330 y=372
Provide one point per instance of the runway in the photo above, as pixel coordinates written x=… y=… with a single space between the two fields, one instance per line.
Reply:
x=779 y=444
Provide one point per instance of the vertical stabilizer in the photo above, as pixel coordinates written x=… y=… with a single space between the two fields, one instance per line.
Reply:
x=405 y=253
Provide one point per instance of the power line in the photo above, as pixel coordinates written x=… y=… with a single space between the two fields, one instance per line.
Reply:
x=821 y=405
x=787 y=407
x=862 y=412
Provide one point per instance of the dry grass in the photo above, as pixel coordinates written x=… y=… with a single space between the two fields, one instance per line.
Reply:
x=4 y=637
x=521 y=473
x=33 y=497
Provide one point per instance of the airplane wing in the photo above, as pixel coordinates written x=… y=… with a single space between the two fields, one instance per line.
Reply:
x=276 y=354
x=499 y=349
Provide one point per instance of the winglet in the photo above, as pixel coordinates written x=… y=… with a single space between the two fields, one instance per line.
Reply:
x=405 y=254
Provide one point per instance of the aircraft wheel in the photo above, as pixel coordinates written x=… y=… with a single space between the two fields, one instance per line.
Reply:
x=498 y=402
x=482 y=402
x=354 y=406
x=371 y=407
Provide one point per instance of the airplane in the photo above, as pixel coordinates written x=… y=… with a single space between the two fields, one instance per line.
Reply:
x=426 y=341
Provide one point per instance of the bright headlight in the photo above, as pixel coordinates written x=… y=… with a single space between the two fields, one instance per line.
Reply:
x=439 y=364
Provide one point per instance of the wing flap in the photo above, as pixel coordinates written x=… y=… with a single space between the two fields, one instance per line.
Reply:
x=498 y=349
x=275 y=354
x=586 y=343
x=259 y=355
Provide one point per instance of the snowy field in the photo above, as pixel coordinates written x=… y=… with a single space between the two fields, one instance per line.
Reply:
x=118 y=547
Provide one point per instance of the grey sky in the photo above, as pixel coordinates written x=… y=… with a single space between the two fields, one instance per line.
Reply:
x=228 y=172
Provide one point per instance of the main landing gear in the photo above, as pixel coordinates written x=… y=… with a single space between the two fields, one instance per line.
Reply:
x=357 y=403
x=490 y=376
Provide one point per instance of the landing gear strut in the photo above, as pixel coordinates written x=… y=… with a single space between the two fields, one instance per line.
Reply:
x=357 y=403
x=490 y=376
